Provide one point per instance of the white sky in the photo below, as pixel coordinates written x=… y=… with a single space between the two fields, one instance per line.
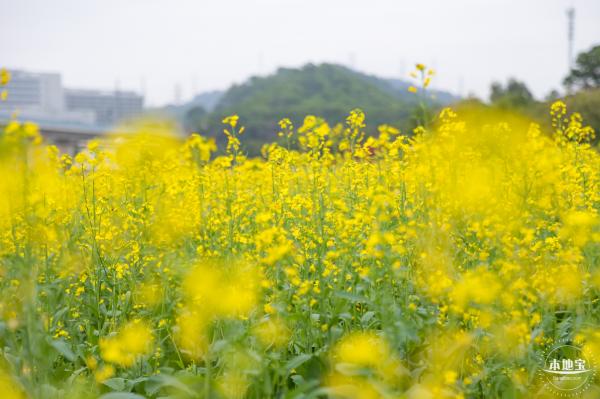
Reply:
x=203 y=45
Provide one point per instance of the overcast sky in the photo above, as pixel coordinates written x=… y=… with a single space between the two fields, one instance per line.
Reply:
x=204 y=45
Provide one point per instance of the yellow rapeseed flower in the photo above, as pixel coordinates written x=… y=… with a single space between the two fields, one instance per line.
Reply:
x=131 y=342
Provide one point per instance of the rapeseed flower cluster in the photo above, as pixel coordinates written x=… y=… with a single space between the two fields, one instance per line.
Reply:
x=431 y=265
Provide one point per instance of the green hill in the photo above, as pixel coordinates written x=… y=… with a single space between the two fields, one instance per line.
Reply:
x=326 y=90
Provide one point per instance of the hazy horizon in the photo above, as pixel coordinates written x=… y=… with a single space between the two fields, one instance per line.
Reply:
x=154 y=45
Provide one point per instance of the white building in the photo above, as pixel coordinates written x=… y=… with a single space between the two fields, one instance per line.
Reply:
x=42 y=92
x=109 y=107
x=41 y=97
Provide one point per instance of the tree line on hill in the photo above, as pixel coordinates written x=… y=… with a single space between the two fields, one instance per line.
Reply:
x=582 y=87
x=331 y=91
x=327 y=90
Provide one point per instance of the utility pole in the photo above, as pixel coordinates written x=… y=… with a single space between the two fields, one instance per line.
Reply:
x=352 y=60
x=261 y=63
x=143 y=86
x=570 y=35
x=403 y=73
x=177 y=90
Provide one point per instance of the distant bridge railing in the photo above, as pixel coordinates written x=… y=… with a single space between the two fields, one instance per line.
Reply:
x=70 y=139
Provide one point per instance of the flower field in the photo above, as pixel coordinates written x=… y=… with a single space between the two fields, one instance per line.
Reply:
x=438 y=264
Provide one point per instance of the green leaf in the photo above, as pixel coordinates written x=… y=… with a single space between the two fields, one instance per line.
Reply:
x=60 y=313
x=345 y=316
x=297 y=361
x=298 y=379
x=351 y=297
x=116 y=384
x=157 y=382
x=64 y=349
x=48 y=391
x=134 y=382
x=121 y=395
x=367 y=317
x=302 y=388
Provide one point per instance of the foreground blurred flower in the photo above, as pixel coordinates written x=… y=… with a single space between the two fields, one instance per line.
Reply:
x=212 y=291
x=9 y=388
x=133 y=341
x=364 y=366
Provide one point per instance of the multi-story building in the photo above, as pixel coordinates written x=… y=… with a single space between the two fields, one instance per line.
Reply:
x=110 y=107
x=42 y=98
x=66 y=117
x=41 y=92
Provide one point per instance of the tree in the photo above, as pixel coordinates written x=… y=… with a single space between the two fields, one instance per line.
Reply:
x=194 y=117
x=514 y=95
x=586 y=73
x=553 y=95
